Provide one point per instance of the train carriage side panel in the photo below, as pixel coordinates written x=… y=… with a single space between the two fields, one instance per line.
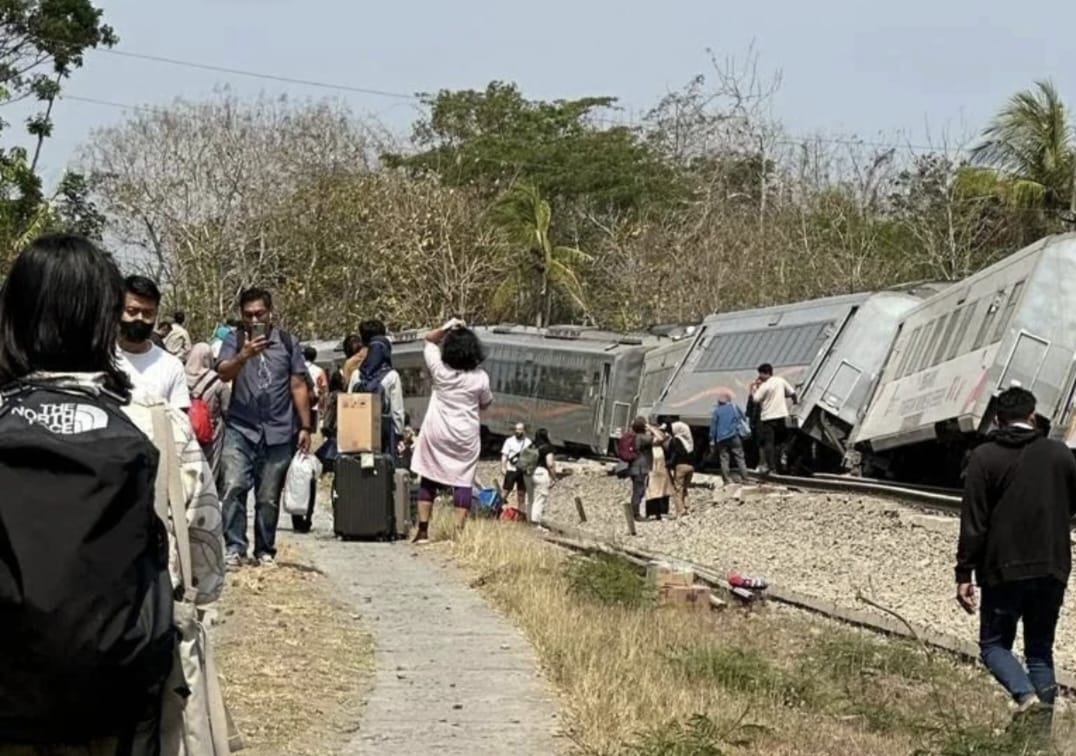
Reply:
x=959 y=347
x=730 y=347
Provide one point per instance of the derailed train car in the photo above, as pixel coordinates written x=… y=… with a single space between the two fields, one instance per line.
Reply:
x=837 y=387
x=728 y=348
x=829 y=349
x=581 y=384
x=900 y=382
x=1010 y=324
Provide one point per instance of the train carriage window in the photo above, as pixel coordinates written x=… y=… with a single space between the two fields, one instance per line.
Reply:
x=909 y=347
x=934 y=329
x=988 y=320
x=913 y=361
x=962 y=331
x=413 y=381
x=746 y=350
x=947 y=335
x=1010 y=307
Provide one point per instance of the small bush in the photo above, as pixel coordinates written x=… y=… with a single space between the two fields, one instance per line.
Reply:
x=848 y=655
x=742 y=671
x=980 y=741
x=610 y=580
x=698 y=736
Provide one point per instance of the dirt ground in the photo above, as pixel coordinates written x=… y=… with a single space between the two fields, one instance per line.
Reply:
x=297 y=663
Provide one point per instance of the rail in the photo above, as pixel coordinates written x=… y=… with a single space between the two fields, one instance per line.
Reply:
x=875 y=621
x=945 y=499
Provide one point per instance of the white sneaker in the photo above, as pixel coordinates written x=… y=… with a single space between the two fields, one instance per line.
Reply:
x=232 y=561
x=266 y=560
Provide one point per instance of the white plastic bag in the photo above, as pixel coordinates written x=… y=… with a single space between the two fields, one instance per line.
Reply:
x=304 y=469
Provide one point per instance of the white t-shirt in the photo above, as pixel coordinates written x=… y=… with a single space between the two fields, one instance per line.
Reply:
x=317 y=375
x=157 y=373
x=511 y=449
x=772 y=396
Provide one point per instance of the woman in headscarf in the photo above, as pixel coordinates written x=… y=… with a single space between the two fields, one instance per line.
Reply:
x=681 y=461
x=659 y=484
x=376 y=376
x=204 y=383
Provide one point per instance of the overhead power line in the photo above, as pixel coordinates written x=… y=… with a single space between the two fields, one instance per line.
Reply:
x=789 y=140
x=260 y=75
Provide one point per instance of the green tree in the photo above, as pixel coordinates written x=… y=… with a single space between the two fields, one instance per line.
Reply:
x=488 y=140
x=523 y=216
x=42 y=42
x=1030 y=141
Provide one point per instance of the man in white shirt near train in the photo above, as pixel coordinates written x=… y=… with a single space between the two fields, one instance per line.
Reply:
x=513 y=476
x=771 y=393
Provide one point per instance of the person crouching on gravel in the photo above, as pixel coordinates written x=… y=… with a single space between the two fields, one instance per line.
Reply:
x=446 y=454
x=1019 y=498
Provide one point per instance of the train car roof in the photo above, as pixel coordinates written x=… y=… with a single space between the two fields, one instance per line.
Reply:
x=1056 y=244
x=822 y=303
x=561 y=338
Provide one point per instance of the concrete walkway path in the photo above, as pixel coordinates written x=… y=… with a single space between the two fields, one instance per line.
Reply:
x=452 y=676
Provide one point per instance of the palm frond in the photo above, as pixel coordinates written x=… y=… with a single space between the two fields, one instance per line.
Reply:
x=1031 y=139
x=571 y=256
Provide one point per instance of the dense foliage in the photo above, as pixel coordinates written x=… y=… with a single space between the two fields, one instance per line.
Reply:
x=504 y=208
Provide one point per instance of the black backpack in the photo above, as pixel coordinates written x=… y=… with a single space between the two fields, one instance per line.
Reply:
x=86 y=614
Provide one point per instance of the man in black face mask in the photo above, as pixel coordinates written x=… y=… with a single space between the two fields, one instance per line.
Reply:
x=152 y=370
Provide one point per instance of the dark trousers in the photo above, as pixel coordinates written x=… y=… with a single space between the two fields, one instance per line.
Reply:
x=734 y=447
x=638 y=493
x=772 y=433
x=1038 y=602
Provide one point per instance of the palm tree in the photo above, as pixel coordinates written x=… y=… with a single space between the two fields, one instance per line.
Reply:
x=1031 y=141
x=523 y=216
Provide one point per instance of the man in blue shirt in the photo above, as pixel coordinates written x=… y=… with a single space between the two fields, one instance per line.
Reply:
x=726 y=435
x=268 y=417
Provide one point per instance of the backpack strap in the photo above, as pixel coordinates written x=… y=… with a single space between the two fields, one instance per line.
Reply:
x=208 y=381
x=170 y=500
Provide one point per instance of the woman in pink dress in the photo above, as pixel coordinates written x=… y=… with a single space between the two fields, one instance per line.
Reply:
x=450 y=441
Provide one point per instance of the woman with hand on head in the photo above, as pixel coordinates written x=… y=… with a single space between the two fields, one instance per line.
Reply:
x=446 y=454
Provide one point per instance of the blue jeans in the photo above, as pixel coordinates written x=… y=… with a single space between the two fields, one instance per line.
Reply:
x=244 y=466
x=1038 y=602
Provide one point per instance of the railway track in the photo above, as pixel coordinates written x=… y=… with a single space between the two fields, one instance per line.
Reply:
x=873 y=618
x=942 y=499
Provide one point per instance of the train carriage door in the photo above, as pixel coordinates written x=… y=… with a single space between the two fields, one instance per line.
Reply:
x=1064 y=419
x=599 y=392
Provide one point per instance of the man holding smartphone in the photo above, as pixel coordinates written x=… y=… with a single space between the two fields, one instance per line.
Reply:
x=268 y=417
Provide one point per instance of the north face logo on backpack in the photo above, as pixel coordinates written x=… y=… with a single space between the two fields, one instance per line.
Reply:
x=66 y=419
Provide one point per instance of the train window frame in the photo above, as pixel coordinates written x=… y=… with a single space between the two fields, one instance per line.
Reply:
x=909 y=348
x=913 y=358
x=935 y=329
x=962 y=331
x=947 y=336
x=1010 y=308
x=988 y=320
x=783 y=345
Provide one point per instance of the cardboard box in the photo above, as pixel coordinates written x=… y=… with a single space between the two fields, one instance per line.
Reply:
x=358 y=423
x=695 y=597
x=664 y=573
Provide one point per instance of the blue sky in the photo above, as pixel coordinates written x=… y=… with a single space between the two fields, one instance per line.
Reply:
x=875 y=70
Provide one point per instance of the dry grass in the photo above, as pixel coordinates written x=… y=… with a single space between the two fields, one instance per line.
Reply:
x=296 y=662
x=641 y=680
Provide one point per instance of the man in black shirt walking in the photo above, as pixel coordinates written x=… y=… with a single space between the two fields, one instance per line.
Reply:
x=1019 y=495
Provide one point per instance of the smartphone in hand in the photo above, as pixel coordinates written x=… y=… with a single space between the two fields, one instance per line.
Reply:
x=258 y=331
